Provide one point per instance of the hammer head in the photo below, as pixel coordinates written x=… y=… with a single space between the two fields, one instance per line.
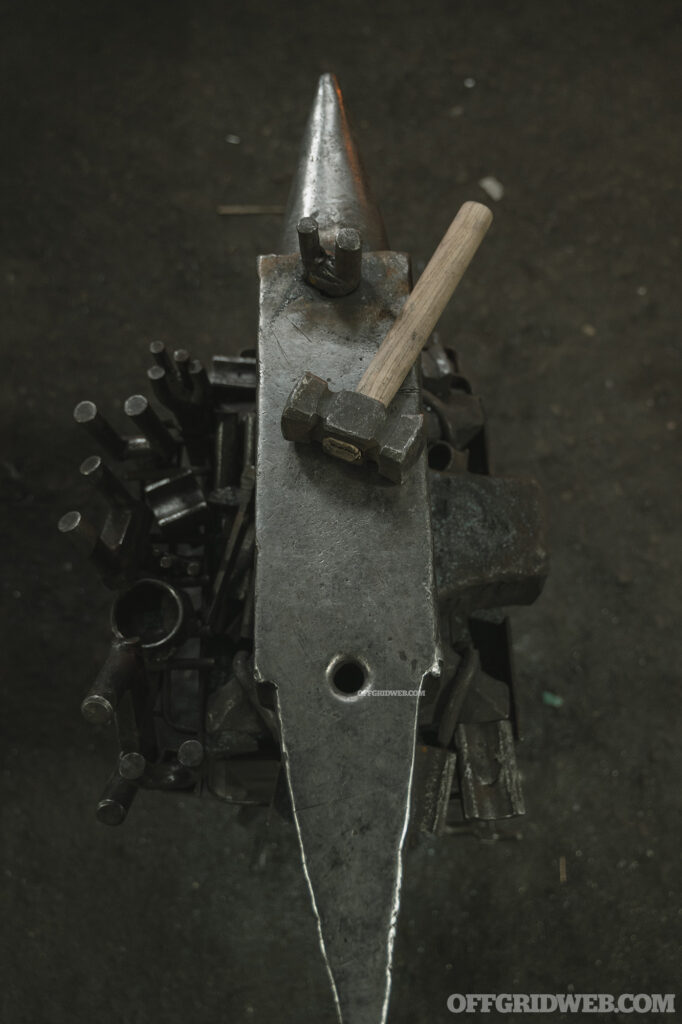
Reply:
x=352 y=427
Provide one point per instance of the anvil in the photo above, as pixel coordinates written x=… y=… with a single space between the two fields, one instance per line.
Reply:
x=346 y=589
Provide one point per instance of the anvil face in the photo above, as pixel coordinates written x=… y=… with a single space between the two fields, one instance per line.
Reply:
x=345 y=611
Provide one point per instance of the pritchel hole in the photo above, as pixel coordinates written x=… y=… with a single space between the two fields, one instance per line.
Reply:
x=440 y=456
x=349 y=677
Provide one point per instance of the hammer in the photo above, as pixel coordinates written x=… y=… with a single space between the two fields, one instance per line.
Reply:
x=354 y=425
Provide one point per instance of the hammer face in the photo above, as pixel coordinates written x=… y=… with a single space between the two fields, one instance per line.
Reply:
x=402 y=447
x=302 y=413
x=352 y=427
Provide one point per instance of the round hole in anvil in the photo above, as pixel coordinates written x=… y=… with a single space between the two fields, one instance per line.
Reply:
x=349 y=676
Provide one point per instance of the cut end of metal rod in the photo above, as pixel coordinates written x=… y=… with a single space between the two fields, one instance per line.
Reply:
x=131 y=765
x=116 y=799
x=141 y=413
x=97 y=710
x=85 y=412
x=69 y=522
x=182 y=363
x=111 y=812
x=158 y=352
x=81 y=531
x=97 y=473
x=88 y=416
x=136 y=405
x=191 y=753
x=91 y=466
x=330 y=183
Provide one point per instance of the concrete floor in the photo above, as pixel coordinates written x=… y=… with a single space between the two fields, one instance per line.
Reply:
x=116 y=153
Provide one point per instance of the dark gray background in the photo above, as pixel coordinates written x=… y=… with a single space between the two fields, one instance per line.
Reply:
x=114 y=159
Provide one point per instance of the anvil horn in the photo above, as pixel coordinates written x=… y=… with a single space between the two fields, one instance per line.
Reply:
x=330 y=183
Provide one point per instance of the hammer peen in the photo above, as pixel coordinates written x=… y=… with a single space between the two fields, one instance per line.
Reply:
x=354 y=425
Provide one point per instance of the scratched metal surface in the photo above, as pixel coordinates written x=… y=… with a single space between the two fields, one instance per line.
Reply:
x=344 y=569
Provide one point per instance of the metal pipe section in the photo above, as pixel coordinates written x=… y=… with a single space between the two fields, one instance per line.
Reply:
x=151 y=612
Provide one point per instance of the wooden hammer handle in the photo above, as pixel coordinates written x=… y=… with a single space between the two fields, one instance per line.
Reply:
x=422 y=310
